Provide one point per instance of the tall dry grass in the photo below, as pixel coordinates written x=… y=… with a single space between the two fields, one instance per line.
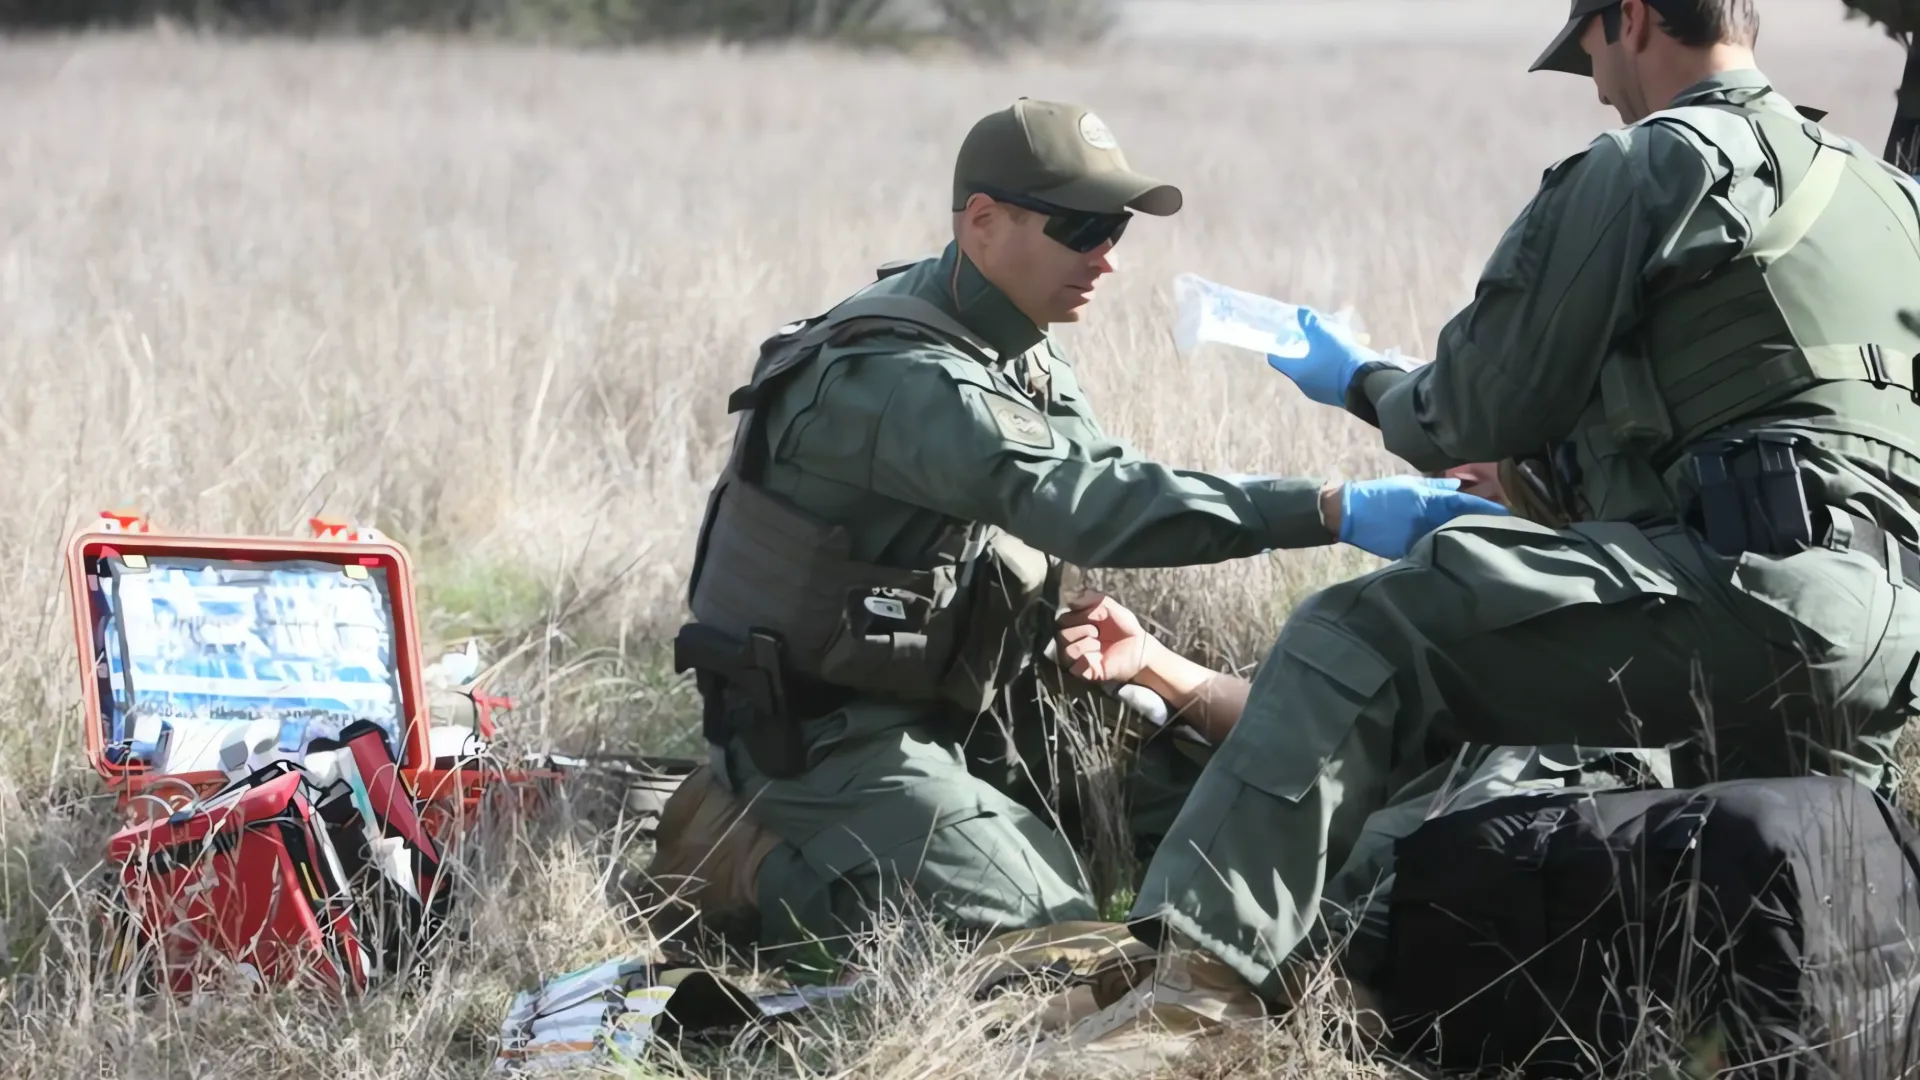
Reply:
x=492 y=300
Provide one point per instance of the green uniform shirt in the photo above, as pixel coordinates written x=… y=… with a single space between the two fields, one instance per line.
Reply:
x=1638 y=209
x=896 y=438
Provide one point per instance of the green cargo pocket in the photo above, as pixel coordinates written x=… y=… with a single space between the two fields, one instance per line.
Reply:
x=1303 y=708
x=894 y=826
x=958 y=857
x=1642 y=568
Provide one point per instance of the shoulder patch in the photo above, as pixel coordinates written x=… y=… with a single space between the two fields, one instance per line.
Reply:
x=1019 y=423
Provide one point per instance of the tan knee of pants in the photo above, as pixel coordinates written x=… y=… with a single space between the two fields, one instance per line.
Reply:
x=706 y=863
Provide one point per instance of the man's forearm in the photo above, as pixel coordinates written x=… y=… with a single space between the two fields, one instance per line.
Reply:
x=1369 y=388
x=1208 y=701
x=1405 y=439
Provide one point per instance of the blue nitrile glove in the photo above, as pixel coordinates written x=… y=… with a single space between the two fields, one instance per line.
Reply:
x=1387 y=517
x=1329 y=366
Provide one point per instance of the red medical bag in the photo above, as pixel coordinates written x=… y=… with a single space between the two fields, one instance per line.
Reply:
x=246 y=882
x=258 y=705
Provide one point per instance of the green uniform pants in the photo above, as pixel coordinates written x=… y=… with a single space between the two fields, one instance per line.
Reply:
x=894 y=810
x=1497 y=631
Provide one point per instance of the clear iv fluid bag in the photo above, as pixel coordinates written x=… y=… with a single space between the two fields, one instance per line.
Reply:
x=1209 y=311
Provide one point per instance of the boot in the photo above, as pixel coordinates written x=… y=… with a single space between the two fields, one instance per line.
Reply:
x=706 y=863
x=1087 y=965
x=1189 y=996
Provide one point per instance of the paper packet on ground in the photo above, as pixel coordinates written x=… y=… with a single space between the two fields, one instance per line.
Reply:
x=611 y=1011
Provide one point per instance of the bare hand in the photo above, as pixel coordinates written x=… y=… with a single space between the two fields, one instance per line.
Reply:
x=1480 y=478
x=1102 y=641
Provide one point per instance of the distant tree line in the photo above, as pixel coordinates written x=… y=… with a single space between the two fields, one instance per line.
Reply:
x=989 y=25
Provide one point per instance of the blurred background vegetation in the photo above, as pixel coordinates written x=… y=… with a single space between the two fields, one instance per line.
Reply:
x=984 y=25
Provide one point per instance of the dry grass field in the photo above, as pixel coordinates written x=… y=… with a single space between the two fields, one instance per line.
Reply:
x=492 y=301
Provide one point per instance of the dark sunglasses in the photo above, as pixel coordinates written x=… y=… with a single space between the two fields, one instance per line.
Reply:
x=1080 y=230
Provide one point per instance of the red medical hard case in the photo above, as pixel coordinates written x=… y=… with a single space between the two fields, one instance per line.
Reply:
x=235 y=858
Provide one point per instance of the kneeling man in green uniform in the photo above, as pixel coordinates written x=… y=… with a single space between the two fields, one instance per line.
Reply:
x=881 y=560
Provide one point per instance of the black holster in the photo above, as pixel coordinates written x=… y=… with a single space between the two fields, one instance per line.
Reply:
x=1552 y=478
x=744 y=692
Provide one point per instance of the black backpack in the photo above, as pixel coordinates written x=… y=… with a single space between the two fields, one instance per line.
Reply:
x=1759 y=928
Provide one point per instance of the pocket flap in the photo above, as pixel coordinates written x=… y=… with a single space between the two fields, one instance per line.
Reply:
x=1640 y=561
x=1282 y=746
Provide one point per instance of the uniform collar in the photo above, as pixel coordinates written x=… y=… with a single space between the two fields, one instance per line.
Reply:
x=1730 y=83
x=1746 y=88
x=957 y=286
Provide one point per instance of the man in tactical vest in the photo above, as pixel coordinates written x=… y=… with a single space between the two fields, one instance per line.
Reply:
x=881 y=560
x=1695 y=338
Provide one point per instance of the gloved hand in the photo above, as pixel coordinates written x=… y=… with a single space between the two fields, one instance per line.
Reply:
x=1333 y=356
x=1387 y=517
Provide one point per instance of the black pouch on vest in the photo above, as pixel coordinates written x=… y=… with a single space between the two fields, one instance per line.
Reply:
x=1752 y=497
x=1763 y=925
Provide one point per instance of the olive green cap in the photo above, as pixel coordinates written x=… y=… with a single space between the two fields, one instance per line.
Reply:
x=1565 y=54
x=1058 y=153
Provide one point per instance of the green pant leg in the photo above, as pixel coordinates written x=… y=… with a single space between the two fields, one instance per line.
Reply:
x=1497 y=631
x=1158 y=784
x=887 y=819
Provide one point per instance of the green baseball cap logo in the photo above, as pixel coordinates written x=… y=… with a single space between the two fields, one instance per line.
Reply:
x=1094 y=130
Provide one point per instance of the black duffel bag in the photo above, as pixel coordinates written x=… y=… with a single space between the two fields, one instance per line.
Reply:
x=1760 y=928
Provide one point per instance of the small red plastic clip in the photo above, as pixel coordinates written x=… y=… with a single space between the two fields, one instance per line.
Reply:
x=326 y=529
x=123 y=522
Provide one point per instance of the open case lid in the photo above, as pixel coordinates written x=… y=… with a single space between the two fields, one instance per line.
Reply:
x=192 y=644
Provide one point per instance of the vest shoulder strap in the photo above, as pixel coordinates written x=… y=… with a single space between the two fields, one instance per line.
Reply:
x=1802 y=207
x=798 y=341
x=903 y=308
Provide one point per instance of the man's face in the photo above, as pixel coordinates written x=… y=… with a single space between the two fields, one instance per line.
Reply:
x=1044 y=278
x=1615 y=69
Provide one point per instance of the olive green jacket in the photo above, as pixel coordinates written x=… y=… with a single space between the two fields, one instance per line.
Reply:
x=1642 y=211
x=896 y=438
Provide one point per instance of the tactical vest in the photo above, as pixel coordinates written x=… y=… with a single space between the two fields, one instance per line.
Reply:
x=955 y=628
x=1804 y=324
